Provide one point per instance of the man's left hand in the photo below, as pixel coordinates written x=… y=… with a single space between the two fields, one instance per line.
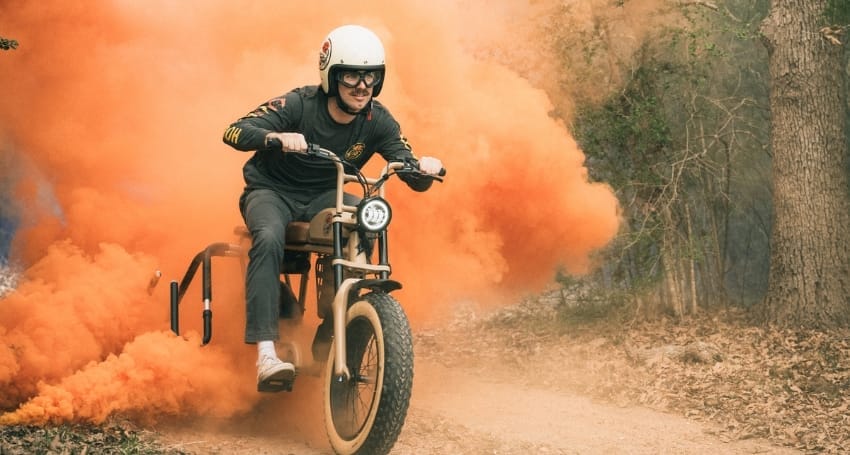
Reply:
x=430 y=165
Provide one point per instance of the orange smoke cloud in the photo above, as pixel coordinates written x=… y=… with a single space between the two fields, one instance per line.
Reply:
x=121 y=383
x=119 y=107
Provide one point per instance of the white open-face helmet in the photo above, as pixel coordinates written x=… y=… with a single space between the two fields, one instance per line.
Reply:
x=350 y=47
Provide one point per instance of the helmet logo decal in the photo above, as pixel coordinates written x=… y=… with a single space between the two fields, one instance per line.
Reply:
x=355 y=151
x=325 y=54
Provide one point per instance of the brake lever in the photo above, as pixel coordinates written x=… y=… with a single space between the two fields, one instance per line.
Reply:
x=413 y=164
x=414 y=170
x=274 y=143
x=314 y=149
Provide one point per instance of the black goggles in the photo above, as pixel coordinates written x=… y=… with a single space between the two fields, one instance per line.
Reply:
x=352 y=79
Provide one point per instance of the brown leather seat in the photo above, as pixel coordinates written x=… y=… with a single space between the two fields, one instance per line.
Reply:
x=297 y=232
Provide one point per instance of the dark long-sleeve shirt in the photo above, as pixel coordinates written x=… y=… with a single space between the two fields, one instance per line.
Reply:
x=304 y=110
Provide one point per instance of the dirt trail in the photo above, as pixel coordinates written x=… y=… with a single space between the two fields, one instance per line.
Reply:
x=515 y=418
x=457 y=411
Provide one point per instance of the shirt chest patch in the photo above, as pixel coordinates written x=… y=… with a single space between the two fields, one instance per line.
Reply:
x=355 y=151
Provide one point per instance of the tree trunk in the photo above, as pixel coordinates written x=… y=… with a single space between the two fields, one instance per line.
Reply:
x=809 y=281
x=670 y=263
x=692 y=275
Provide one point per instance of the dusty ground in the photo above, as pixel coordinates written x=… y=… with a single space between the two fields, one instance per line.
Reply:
x=521 y=381
x=456 y=411
x=529 y=379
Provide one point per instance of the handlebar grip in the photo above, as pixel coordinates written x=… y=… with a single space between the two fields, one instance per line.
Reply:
x=274 y=143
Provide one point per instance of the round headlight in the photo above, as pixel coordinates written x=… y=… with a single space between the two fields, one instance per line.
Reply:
x=374 y=214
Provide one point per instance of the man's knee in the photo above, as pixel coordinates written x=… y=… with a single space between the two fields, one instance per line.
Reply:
x=270 y=238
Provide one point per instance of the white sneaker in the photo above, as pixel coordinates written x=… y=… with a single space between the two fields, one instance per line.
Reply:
x=274 y=375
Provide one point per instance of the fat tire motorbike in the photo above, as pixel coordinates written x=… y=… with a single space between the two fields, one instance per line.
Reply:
x=363 y=346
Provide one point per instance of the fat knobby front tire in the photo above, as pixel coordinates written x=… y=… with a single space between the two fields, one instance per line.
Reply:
x=364 y=414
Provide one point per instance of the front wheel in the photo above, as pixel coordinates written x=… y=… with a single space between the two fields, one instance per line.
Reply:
x=364 y=414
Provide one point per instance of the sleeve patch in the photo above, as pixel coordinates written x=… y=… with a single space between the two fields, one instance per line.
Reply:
x=405 y=142
x=231 y=135
x=275 y=105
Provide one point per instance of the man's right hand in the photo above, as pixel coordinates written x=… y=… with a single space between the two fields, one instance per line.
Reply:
x=289 y=142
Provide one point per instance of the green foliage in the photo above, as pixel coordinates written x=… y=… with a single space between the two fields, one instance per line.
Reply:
x=838 y=13
x=627 y=140
x=7 y=44
x=682 y=141
x=626 y=134
x=600 y=306
x=584 y=303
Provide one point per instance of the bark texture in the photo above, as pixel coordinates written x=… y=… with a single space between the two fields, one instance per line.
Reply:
x=809 y=281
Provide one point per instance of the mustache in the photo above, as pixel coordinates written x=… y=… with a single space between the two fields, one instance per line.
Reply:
x=360 y=92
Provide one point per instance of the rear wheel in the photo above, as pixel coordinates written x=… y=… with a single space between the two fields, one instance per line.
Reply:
x=364 y=414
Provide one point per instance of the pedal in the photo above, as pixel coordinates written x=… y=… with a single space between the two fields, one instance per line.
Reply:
x=282 y=384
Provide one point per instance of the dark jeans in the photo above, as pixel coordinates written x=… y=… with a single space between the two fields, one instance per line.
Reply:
x=266 y=213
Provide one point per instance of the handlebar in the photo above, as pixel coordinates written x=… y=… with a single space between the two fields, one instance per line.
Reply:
x=410 y=166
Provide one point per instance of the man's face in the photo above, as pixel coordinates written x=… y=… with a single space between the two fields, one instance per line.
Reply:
x=355 y=87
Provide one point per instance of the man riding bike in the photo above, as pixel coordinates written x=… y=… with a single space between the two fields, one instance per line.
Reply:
x=282 y=184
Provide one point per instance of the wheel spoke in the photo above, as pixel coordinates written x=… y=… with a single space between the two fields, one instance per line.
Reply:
x=367 y=380
x=353 y=399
